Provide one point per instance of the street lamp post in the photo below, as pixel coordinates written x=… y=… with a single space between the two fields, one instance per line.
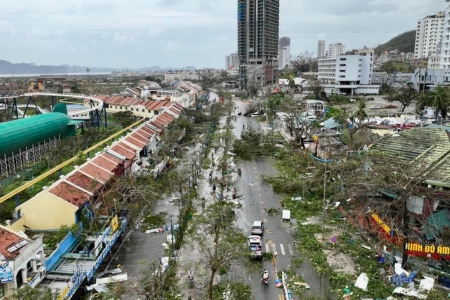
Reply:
x=171 y=231
x=324 y=196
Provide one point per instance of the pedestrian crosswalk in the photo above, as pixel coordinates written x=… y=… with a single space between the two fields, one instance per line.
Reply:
x=279 y=249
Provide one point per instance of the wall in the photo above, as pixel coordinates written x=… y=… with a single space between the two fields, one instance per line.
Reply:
x=350 y=66
x=62 y=248
x=39 y=212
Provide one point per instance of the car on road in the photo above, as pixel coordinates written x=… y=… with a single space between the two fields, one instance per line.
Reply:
x=257 y=228
x=255 y=244
x=239 y=114
x=375 y=107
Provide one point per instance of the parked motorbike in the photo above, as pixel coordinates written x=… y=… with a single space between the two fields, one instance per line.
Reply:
x=265 y=276
x=239 y=171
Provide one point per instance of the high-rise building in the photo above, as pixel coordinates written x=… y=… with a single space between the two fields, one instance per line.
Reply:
x=258 y=25
x=445 y=44
x=335 y=50
x=321 y=49
x=428 y=35
x=284 y=52
x=231 y=60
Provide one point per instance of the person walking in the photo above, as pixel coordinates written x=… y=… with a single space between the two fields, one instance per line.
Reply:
x=214 y=188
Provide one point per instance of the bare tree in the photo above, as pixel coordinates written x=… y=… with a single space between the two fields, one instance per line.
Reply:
x=219 y=241
x=305 y=62
x=405 y=96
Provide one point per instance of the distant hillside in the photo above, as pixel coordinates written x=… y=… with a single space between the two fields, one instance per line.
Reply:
x=7 y=67
x=403 y=43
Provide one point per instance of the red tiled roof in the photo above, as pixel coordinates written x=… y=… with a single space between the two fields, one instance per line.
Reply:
x=119 y=148
x=84 y=182
x=151 y=104
x=112 y=157
x=144 y=133
x=156 y=125
x=148 y=130
x=159 y=105
x=96 y=172
x=70 y=193
x=129 y=148
x=135 y=142
x=128 y=101
x=159 y=123
x=104 y=163
x=178 y=105
x=8 y=239
x=139 y=137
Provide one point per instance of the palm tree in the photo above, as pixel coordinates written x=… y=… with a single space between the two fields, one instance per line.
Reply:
x=440 y=100
x=291 y=84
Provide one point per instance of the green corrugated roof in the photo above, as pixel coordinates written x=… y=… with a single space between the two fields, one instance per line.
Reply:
x=24 y=133
x=435 y=223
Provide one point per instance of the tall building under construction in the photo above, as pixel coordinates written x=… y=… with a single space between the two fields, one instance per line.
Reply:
x=258 y=26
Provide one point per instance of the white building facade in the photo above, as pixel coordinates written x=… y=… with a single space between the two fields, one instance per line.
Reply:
x=349 y=74
x=335 y=50
x=231 y=60
x=429 y=35
x=445 y=44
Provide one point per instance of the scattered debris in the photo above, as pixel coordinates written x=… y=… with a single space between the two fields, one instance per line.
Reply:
x=157 y=230
x=362 y=281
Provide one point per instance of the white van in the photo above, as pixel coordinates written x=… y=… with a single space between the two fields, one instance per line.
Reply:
x=286 y=215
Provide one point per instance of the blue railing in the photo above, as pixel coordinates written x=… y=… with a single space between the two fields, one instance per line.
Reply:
x=79 y=276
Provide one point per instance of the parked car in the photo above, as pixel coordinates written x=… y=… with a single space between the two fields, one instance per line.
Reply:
x=255 y=244
x=391 y=106
x=257 y=228
x=375 y=107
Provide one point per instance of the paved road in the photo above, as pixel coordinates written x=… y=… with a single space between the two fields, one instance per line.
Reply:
x=258 y=197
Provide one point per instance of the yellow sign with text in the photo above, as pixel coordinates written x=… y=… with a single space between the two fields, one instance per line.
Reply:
x=428 y=249
x=114 y=223
x=380 y=222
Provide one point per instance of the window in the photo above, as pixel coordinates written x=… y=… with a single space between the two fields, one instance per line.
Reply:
x=343 y=59
x=143 y=110
x=2 y=292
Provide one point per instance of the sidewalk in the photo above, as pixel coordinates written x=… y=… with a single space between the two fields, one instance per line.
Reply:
x=188 y=256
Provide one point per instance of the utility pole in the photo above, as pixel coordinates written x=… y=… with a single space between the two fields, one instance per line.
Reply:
x=171 y=232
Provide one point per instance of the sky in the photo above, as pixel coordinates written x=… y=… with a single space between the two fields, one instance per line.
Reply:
x=179 y=33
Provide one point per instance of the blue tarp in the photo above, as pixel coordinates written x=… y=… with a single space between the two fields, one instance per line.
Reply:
x=331 y=124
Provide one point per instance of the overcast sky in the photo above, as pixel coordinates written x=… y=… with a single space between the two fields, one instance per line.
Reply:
x=178 y=33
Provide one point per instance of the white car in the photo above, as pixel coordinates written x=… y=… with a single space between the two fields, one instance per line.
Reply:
x=255 y=245
x=257 y=228
x=375 y=107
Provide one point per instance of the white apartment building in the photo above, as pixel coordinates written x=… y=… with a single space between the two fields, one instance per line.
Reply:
x=429 y=35
x=349 y=74
x=445 y=44
x=231 y=60
x=327 y=70
x=335 y=50
x=320 y=49
x=434 y=61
